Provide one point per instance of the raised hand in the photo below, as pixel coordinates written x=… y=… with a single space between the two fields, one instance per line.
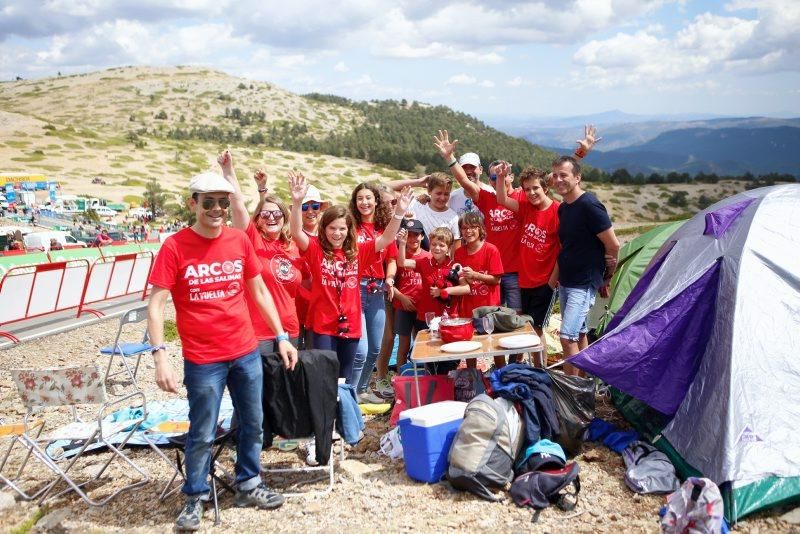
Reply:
x=402 y=238
x=298 y=186
x=589 y=138
x=261 y=179
x=443 y=144
x=404 y=200
x=225 y=160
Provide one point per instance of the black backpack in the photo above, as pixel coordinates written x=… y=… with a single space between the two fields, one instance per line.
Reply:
x=540 y=489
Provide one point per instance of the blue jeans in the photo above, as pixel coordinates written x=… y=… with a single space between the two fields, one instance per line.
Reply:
x=373 y=320
x=204 y=385
x=345 y=349
x=510 y=294
x=575 y=304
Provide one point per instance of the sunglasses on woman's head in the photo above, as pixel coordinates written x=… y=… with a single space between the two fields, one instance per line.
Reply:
x=275 y=214
x=209 y=203
x=314 y=206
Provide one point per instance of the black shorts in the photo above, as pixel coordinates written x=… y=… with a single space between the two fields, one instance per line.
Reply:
x=536 y=301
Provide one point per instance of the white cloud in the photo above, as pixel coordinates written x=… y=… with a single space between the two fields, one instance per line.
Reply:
x=462 y=79
x=710 y=44
x=341 y=67
x=487 y=84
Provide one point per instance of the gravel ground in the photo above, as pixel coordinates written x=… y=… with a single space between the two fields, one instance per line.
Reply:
x=371 y=492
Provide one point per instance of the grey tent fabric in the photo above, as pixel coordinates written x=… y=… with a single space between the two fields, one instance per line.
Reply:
x=737 y=420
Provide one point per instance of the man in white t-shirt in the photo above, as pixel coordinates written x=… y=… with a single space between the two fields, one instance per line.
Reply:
x=435 y=213
x=460 y=201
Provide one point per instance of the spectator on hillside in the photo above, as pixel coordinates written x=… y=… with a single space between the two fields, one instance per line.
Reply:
x=55 y=245
x=588 y=256
x=102 y=239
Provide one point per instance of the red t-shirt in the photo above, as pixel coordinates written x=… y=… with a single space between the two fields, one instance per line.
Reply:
x=335 y=289
x=207 y=279
x=502 y=226
x=487 y=261
x=303 y=296
x=408 y=281
x=434 y=275
x=366 y=232
x=282 y=274
x=539 y=243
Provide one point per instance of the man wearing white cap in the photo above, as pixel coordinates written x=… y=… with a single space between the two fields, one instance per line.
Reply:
x=206 y=268
x=460 y=200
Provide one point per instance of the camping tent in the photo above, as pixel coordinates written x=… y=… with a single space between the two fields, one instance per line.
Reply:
x=708 y=347
x=634 y=256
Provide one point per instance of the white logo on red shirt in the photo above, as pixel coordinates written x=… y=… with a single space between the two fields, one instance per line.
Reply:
x=282 y=269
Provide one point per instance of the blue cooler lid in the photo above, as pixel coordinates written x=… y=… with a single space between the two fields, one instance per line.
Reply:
x=434 y=414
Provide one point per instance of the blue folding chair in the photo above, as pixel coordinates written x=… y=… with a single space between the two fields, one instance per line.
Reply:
x=124 y=350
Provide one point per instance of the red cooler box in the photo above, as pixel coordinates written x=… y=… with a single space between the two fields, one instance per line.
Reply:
x=427 y=433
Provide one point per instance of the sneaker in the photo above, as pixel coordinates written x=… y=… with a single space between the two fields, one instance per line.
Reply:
x=260 y=497
x=383 y=387
x=311 y=454
x=369 y=398
x=192 y=514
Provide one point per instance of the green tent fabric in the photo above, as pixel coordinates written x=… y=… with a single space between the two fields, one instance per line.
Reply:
x=634 y=257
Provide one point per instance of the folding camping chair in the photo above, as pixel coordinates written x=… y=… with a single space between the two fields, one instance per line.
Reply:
x=313 y=469
x=123 y=350
x=42 y=389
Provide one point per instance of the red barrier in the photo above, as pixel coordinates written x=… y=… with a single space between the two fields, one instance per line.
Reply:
x=116 y=276
x=13 y=252
x=32 y=291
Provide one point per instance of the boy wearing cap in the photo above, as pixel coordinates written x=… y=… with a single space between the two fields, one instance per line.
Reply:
x=206 y=268
x=407 y=290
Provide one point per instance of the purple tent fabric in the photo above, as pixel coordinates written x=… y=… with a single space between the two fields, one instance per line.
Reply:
x=718 y=221
x=640 y=287
x=656 y=358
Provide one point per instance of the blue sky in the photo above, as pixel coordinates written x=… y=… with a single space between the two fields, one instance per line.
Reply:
x=505 y=57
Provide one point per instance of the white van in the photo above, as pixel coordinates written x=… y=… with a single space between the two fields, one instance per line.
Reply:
x=104 y=211
x=41 y=240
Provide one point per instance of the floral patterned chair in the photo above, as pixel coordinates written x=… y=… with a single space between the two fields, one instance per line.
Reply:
x=44 y=390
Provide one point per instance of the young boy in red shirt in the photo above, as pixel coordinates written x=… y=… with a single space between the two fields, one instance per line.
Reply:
x=407 y=290
x=441 y=290
x=481 y=267
x=207 y=269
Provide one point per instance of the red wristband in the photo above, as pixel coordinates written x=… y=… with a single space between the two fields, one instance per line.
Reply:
x=444 y=294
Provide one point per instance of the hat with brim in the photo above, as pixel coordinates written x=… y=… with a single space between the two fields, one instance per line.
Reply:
x=470 y=158
x=312 y=195
x=209 y=182
x=412 y=225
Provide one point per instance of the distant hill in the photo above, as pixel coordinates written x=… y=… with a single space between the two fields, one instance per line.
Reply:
x=724 y=151
x=633 y=133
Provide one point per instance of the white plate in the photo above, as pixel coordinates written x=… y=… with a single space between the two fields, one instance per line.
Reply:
x=520 y=341
x=461 y=346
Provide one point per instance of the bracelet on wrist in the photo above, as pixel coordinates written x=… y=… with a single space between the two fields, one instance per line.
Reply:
x=399 y=217
x=262 y=190
x=580 y=152
x=443 y=293
x=452 y=161
x=157 y=348
x=283 y=336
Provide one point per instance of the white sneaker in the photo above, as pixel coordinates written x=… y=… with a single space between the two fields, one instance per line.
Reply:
x=369 y=398
x=383 y=387
x=311 y=457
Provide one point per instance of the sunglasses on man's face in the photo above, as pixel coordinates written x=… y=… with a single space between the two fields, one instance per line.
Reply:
x=314 y=206
x=275 y=214
x=209 y=203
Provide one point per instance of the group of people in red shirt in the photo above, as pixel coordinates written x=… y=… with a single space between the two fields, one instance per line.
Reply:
x=316 y=276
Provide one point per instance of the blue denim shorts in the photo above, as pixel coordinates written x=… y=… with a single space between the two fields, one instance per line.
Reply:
x=575 y=304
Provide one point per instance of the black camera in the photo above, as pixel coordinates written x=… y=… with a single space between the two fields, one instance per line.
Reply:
x=452 y=276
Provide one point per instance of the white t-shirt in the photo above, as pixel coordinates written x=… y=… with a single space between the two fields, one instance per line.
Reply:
x=431 y=219
x=461 y=203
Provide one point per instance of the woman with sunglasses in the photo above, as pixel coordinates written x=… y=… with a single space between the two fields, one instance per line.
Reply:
x=338 y=262
x=268 y=230
x=371 y=215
